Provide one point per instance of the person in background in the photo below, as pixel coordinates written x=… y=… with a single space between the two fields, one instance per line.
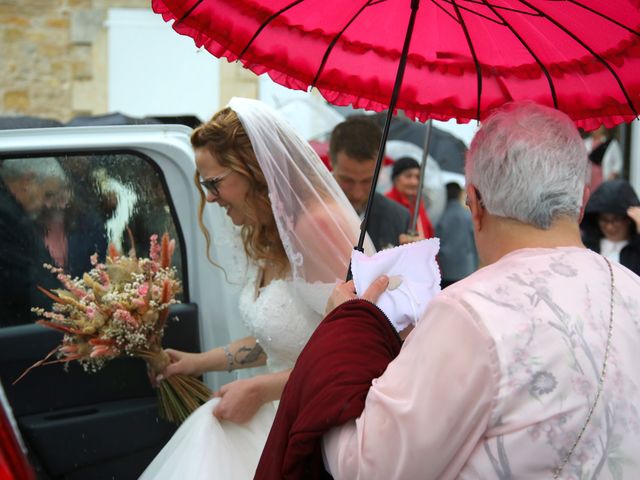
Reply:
x=527 y=368
x=52 y=220
x=27 y=188
x=611 y=223
x=86 y=213
x=605 y=156
x=71 y=223
x=457 y=257
x=353 y=149
x=405 y=175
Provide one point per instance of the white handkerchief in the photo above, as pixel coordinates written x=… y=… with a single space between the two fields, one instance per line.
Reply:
x=414 y=279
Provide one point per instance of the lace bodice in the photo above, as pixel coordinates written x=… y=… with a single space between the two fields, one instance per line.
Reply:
x=280 y=320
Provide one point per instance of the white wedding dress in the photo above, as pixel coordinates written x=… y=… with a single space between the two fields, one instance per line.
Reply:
x=205 y=448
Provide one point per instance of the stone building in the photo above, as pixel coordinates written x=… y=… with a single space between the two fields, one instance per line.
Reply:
x=54 y=58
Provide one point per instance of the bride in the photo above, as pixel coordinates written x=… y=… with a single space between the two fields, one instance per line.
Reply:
x=297 y=230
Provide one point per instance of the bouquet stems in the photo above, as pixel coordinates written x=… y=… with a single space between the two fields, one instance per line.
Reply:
x=178 y=395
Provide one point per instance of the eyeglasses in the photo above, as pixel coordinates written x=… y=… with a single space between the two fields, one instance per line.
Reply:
x=611 y=220
x=478 y=196
x=211 y=184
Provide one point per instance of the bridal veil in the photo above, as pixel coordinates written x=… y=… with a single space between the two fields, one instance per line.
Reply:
x=316 y=223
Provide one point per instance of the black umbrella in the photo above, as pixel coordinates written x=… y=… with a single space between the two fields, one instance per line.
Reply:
x=115 y=118
x=24 y=121
x=188 y=120
x=444 y=147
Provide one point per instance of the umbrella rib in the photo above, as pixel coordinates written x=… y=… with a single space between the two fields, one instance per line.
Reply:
x=264 y=24
x=437 y=4
x=591 y=51
x=188 y=12
x=325 y=57
x=473 y=12
x=606 y=17
x=473 y=54
x=509 y=9
x=529 y=49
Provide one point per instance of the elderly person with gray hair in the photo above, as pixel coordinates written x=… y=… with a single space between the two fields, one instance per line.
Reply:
x=27 y=187
x=528 y=367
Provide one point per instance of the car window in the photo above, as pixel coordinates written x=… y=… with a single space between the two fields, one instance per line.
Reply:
x=61 y=209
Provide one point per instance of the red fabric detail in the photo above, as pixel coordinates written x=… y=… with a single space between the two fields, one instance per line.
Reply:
x=13 y=464
x=424 y=224
x=442 y=78
x=328 y=386
x=322 y=149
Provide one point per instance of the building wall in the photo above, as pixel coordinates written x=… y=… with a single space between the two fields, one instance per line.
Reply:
x=54 y=59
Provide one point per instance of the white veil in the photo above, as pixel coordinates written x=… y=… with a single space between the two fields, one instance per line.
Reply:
x=317 y=224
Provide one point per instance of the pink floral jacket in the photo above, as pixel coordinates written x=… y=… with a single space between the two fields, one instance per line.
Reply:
x=497 y=379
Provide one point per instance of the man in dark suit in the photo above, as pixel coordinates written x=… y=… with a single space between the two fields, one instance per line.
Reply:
x=27 y=187
x=353 y=149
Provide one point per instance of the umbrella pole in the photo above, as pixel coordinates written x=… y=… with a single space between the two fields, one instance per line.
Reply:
x=387 y=124
x=413 y=230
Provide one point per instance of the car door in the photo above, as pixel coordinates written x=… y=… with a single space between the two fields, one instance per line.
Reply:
x=118 y=185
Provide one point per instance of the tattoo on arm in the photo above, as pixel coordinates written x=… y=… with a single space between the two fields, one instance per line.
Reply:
x=248 y=355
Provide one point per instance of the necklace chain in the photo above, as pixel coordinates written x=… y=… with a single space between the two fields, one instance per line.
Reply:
x=603 y=373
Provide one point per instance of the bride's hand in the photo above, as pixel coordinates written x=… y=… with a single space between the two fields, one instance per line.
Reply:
x=181 y=362
x=239 y=400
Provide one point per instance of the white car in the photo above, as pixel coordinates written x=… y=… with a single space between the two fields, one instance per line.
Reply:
x=105 y=425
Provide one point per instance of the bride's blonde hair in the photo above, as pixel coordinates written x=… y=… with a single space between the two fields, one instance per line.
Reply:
x=226 y=139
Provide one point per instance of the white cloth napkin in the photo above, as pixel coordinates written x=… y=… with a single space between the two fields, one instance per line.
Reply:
x=414 y=279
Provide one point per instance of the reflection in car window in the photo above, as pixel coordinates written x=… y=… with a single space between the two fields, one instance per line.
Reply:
x=61 y=210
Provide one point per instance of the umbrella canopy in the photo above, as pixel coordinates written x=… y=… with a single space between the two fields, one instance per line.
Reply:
x=465 y=57
x=435 y=59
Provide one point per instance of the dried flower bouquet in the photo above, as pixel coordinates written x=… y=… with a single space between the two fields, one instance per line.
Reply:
x=120 y=308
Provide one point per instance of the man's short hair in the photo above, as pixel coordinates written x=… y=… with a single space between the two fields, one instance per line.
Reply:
x=453 y=191
x=358 y=137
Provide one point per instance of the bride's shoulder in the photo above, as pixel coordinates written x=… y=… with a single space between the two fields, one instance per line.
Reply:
x=326 y=216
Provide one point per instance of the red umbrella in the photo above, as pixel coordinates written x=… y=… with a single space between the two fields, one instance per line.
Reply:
x=437 y=59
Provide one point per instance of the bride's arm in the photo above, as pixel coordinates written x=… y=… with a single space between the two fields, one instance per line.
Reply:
x=240 y=400
x=273 y=384
x=243 y=353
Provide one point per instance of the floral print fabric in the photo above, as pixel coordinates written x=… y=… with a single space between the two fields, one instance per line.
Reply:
x=521 y=343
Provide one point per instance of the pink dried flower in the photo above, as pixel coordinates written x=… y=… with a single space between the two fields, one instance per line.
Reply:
x=139 y=302
x=101 y=351
x=143 y=289
x=154 y=248
x=125 y=316
x=69 y=349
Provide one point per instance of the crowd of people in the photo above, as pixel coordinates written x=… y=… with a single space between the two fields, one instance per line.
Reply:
x=522 y=367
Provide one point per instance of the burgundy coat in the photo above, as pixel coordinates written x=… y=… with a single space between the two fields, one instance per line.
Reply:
x=328 y=386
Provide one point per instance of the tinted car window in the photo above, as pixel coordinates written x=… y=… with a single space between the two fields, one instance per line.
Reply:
x=62 y=209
